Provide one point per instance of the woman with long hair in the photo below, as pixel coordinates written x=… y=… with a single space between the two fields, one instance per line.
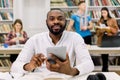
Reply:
x=109 y=28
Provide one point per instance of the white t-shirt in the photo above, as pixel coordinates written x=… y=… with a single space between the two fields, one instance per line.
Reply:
x=76 y=48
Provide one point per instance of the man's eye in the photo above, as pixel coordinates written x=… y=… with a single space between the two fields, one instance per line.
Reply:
x=51 y=18
x=61 y=18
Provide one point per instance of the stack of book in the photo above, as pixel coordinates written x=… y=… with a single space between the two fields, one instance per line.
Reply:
x=58 y=3
x=4 y=61
x=6 y=3
x=97 y=14
x=104 y=2
x=6 y=16
x=65 y=3
x=5 y=28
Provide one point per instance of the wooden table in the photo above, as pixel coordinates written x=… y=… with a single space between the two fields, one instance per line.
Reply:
x=114 y=51
x=11 y=49
x=93 y=49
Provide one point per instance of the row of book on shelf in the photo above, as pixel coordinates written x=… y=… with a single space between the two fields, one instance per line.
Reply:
x=104 y=2
x=6 y=16
x=5 y=28
x=2 y=38
x=5 y=61
x=90 y=2
x=65 y=3
x=96 y=14
x=6 y=3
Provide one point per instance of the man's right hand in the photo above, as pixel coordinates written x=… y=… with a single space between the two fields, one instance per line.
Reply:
x=35 y=62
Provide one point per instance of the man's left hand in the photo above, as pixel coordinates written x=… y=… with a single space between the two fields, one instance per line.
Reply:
x=61 y=66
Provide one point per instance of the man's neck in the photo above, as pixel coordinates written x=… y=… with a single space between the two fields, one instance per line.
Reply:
x=55 y=38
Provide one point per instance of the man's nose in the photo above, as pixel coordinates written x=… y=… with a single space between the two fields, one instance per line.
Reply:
x=56 y=21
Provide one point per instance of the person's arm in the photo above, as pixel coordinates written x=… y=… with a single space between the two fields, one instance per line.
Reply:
x=99 y=31
x=84 y=63
x=70 y=25
x=90 y=25
x=35 y=62
x=24 y=38
x=114 y=28
x=10 y=39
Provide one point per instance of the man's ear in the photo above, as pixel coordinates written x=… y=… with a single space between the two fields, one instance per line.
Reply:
x=46 y=21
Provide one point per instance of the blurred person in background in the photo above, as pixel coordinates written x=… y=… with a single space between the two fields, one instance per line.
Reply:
x=110 y=29
x=16 y=36
x=81 y=23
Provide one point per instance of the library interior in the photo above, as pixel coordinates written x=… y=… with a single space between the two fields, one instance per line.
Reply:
x=96 y=22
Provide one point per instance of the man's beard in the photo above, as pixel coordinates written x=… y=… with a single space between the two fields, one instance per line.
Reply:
x=59 y=32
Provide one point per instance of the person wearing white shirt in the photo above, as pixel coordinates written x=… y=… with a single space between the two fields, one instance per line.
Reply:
x=33 y=56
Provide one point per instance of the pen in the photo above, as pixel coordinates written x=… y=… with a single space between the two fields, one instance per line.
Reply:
x=11 y=75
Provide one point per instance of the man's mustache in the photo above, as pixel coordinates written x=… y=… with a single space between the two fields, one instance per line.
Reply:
x=56 y=24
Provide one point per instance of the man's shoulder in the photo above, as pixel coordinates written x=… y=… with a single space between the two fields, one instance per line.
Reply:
x=69 y=35
x=72 y=34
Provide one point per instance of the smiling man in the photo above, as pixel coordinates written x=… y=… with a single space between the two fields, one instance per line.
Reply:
x=34 y=54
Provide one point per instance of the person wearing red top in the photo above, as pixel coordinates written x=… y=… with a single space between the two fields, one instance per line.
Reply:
x=16 y=36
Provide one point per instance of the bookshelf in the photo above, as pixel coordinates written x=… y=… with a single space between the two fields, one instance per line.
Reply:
x=93 y=7
x=94 y=10
x=6 y=20
x=5 y=63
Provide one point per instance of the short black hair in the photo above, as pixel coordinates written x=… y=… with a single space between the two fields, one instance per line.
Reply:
x=81 y=2
x=55 y=9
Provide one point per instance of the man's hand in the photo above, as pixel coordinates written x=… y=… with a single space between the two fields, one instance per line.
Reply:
x=61 y=66
x=83 y=28
x=35 y=62
x=21 y=38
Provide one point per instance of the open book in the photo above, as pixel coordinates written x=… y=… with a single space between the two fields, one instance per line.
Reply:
x=103 y=26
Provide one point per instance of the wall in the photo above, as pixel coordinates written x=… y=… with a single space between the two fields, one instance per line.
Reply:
x=33 y=14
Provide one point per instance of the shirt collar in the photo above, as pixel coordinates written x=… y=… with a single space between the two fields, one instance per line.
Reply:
x=59 y=40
